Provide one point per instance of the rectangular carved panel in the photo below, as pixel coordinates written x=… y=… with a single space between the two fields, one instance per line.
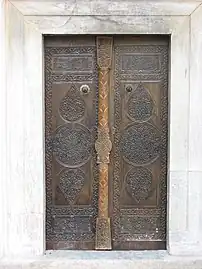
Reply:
x=71 y=129
x=149 y=62
x=137 y=225
x=68 y=225
x=73 y=63
x=139 y=159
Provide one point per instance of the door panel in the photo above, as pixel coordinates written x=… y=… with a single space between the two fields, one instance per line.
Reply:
x=71 y=116
x=139 y=156
x=106 y=102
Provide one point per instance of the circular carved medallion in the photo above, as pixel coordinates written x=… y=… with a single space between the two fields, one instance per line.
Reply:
x=72 y=107
x=140 y=143
x=71 y=183
x=72 y=145
x=138 y=183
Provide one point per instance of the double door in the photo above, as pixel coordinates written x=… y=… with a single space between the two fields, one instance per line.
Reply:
x=106 y=142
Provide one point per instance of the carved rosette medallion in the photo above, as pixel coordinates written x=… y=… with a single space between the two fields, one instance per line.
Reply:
x=72 y=145
x=140 y=144
x=103 y=144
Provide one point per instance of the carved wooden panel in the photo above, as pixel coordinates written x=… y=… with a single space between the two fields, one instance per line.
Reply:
x=71 y=118
x=106 y=101
x=103 y=144
x=139 y=159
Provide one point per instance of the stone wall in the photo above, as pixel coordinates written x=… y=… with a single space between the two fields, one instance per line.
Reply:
x=22 y=192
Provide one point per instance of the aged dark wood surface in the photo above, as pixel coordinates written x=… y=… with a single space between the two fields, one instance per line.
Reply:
x=139 y=154
x=71 y=130
x=137 y=126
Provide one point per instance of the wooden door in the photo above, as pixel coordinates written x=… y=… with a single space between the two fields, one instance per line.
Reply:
x=139 y=155
x=106 y=142
x=71 y=169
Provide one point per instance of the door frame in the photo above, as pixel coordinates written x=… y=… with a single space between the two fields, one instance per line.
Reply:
x=23 y=112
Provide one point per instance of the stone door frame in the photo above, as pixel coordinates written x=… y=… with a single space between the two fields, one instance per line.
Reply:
x=22 y=177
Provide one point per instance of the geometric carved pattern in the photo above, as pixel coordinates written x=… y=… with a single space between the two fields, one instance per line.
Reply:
x=140 y=143
x=103 y=233
x=104 y=52
x=72 y=106
x=66 y=226
x=139 y=110
x=70 y=115
x=103 y=144
x=71 y=183
x=138 y=183
x=138 y=224
x=72 y=145
x=135 y=144
x=140 y=105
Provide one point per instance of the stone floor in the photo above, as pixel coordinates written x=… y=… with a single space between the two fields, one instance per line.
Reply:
x=104 y=260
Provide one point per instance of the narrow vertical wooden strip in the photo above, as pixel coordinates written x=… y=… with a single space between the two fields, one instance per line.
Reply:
x=103 y=144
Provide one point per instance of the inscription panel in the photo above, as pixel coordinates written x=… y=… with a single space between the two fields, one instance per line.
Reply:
x=149 y=62
x=139 y=159
x=71 y=131
x=73 y=63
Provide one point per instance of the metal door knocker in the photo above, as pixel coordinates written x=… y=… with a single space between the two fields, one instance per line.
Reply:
x=85 y=89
